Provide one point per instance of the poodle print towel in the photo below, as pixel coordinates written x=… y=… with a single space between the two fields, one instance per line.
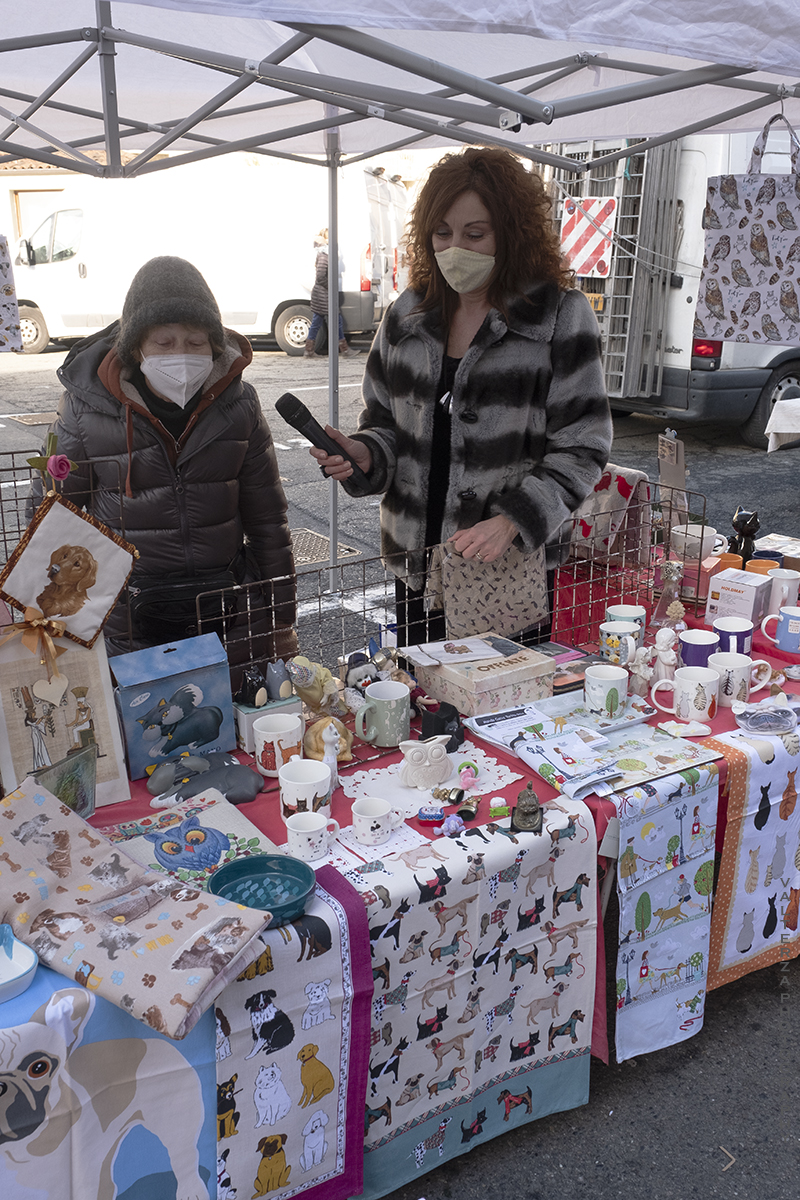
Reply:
x=157 y=947
x=292 y=1041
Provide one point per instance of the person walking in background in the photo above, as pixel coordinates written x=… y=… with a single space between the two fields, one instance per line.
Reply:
x=319 y=302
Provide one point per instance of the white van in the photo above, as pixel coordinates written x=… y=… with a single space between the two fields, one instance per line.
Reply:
x=247 y=222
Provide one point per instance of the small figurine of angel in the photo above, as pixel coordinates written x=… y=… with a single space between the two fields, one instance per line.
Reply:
x=641 y=671
x=666 y=658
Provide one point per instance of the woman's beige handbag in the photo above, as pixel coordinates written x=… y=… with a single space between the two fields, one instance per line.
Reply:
x=504 y=597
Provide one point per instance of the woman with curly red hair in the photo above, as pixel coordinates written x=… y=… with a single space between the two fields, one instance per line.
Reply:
x=485 y=417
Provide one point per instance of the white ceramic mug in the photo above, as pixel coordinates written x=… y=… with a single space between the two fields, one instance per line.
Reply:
x=388 y=708
x=374 y=820
x=305 y=787
x=787 y=631
x=277 y=738
x=695 y=541
x=785 y=586
x=635 y=613
x=735 y=635
x=695 y=693
x=739 y=676
x=605 y=689
x=309 y=834
x=695 y=645
x=618 y=641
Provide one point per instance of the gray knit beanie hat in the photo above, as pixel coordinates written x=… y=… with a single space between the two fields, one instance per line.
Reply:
x=167 y=291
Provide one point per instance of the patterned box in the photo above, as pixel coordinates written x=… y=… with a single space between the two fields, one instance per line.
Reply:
x=522 y=675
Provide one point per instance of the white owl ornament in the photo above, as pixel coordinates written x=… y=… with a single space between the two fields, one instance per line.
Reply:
x=426 y=763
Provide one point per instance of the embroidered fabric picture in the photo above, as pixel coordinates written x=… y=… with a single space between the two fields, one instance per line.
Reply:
x=73 y=780
x=69 y=567
x=10 y=337
x=664 y=880
x=755 y=920
x=44 y=721
x=292 y=1046
x=749 y=290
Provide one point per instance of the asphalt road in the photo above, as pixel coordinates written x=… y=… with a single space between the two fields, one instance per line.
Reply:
x=655 y=1127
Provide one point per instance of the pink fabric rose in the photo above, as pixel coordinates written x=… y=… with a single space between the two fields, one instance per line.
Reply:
x=58 y=466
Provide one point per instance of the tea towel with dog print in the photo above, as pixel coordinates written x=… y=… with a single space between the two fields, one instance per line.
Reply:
x=84 y=1084
x=484 y=956
x=757 y=904
x=10 y=335
x=749 y=286
x=664 y=880
x=292 y=1043
x=159 y=948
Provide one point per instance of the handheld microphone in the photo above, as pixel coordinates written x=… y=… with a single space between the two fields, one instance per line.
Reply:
x=295 y=413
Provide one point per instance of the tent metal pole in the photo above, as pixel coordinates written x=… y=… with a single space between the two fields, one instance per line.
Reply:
x=182 y=127
x=428 y=68
x=49 y=91
x=52 y=160
x=48 y=39
x=749 y=85
x=108 y=84
x=333 y=154
x=46 y=137
x=676 y=81
x=695 y=127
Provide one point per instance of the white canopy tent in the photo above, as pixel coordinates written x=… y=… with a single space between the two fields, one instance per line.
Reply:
x=348 y=82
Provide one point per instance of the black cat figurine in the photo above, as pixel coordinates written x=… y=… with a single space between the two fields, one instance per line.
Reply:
x=747 y=526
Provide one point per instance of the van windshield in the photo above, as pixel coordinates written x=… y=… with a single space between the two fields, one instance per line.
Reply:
x=58 y=237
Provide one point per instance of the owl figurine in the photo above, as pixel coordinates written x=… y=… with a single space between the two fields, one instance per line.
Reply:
x=425 y=763
x=189 y=845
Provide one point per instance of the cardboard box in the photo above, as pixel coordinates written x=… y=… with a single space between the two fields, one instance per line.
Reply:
x=244 y=715
x=697 y=576
x=734 y=593
x=522 y=675
x=174 y=698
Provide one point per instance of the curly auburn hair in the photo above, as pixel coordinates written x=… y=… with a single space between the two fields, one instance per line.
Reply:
x=528 y=249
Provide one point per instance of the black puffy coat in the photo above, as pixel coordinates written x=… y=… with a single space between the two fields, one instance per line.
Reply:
x=209 y=502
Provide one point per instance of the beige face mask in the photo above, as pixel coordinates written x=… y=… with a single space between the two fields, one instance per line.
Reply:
x=464 y=270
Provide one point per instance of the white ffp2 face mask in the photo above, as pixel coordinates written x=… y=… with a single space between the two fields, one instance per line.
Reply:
x=177 y=376
x=465 y=270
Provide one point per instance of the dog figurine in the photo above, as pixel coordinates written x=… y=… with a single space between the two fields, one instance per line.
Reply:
x=273 y=1170
x=49 y=1096
x=72 y=571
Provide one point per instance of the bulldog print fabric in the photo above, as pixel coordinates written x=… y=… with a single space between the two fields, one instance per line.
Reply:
x=151 y=944
x=292 y=1043
x=483 y=953
x=749 y=287
x=665 y=878
x=758 y=893
x=94 y=1104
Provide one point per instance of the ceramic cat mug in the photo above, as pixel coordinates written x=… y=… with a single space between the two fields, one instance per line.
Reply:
x=309 y=835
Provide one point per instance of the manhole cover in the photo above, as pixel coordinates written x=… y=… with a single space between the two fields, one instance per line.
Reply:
x=45 y=418
x=312 y=547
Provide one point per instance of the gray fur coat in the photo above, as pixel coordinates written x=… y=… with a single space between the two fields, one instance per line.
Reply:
x=531 y=429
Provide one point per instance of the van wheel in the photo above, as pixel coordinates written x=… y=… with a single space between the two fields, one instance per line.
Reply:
x=784 y=376
x=33 y=330
x=291 y=328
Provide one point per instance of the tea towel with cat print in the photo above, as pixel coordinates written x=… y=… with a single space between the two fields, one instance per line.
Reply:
x=157 y=947
x=757 y=899
x=749 y=286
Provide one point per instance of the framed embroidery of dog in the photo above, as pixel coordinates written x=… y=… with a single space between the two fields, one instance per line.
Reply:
x=70 y=567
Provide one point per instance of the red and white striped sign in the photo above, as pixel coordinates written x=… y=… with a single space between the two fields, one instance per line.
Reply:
x=586 y=229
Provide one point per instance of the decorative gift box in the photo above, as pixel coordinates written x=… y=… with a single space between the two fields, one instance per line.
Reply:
x=734 y=593
x=174 y=698
x=522 y=675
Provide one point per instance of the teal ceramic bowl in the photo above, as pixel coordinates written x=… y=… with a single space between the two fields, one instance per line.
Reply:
x=275 y=882
x=18 y=965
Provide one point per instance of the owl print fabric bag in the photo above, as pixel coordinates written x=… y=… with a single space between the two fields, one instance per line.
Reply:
x=750 y=283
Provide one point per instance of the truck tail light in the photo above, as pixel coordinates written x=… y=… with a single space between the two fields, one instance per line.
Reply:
x=704 y=348
x=366 y=269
